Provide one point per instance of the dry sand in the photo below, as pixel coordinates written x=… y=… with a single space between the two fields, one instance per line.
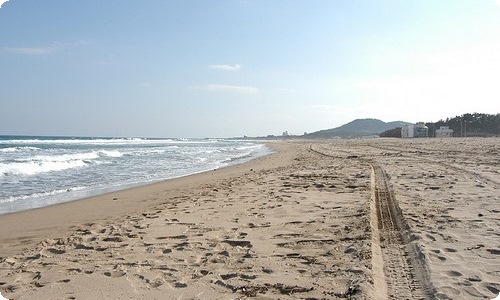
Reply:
x=357 y=219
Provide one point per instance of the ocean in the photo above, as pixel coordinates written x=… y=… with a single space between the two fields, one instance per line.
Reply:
x=41 y=171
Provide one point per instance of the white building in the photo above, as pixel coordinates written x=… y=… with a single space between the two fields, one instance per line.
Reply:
x=421 y=130
x=417 y=130
x=444 y=131
x=408 y=131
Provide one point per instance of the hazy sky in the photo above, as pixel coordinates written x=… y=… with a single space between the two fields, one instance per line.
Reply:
x=219 y=68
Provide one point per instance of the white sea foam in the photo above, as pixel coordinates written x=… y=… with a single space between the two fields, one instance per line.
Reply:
x=115 y=141
x=35 y=167
x=31 y=166
x=148 y=151
x=49 y=163
x=19 y=149
x=65 y=157
x=112 y=153
x=84 y=141
x=43 y=194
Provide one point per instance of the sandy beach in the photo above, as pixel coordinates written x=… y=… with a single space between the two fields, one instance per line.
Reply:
x=342 y=219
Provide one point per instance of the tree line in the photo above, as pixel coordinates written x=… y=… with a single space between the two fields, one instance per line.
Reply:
x=475 y=124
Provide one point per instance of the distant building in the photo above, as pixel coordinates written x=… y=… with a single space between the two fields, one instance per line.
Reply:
x=444 y=131
x=417 y=130
x=421 y=130
x=408 y=131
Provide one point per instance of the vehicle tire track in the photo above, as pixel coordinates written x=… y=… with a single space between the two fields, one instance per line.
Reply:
x=398 y=264
x=401 y=261
x=439 y=162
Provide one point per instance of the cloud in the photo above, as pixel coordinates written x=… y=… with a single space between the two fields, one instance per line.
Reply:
x=497 y=2
x=145 y=84
x=2 y=2
x=30 y=50
x=228 y=88
x=234 y=67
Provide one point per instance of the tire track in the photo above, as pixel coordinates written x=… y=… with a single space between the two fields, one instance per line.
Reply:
x=398 y=264
x=403 y=264
x=440 y=162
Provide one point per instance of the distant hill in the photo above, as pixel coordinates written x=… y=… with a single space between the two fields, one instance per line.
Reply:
x=356 y=128
x=476 y=124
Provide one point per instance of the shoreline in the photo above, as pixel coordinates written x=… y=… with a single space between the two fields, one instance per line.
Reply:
x=102 y=206
x=312 y=220
x=44 y=171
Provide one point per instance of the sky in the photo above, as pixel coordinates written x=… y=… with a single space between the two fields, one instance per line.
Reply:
x=228 y=68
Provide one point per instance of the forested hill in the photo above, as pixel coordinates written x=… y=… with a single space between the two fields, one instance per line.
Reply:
x=354 y=129
x=476 y=124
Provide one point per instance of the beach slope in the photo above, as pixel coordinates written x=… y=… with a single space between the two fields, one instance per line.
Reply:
x=315 y=220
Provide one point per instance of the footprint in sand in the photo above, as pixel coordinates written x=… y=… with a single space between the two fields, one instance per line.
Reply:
x=115 y=274
x=494 y=290
x=180 y=285
x=441 y=258
x=494 y=251
x=54 y=251
x=430 y=237
x=454 y=273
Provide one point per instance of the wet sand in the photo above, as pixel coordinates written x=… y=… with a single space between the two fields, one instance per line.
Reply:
x=358 y=219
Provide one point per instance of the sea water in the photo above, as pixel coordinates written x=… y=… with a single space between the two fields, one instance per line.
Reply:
x=41 y=171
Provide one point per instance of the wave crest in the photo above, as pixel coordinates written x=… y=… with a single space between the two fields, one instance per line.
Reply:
x=50 y=163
